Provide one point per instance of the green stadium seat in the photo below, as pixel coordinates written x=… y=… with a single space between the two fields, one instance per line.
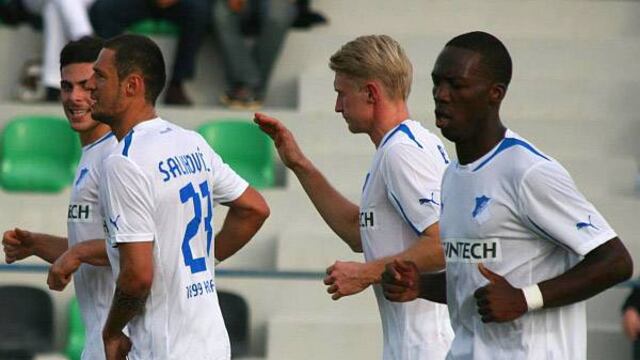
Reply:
x=76 y=330
x=155 y=27
x=243 y=146
x=38 y=154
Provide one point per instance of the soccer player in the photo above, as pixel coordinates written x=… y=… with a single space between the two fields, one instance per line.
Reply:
x=159 y=186
x=523 y=246
x=400 y=204
x=84 y=249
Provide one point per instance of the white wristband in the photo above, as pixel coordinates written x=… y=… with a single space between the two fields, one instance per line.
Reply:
x=533 y=297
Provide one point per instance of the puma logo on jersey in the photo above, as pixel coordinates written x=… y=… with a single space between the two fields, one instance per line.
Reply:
x=582 y=225
x=472 y=250
x=427 y=201
x=114 y=222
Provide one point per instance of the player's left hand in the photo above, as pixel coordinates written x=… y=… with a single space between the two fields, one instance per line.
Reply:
x=499 y=301
x=117 y=346
x=346 y=278
x=61 y=270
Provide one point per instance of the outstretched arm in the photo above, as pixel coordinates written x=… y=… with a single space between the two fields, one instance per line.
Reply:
x=601 y=268
x=19 y=244
x=348 y=278
x=245 y=217
x=338 y=212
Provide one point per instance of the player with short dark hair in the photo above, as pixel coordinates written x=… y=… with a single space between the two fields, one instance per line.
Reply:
x=523 y=246
x=159 y=188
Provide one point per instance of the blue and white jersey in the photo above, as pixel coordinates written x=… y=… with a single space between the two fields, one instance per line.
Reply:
x=160 y=185
x=400 y=199
x=517 y=211
x=94 y=285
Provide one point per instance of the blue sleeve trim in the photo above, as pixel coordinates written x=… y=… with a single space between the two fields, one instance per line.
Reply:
x=404 y=215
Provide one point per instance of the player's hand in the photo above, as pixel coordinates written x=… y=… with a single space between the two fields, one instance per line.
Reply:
x=401 y=281
x=346 y=278
x=163 y=4
x=499 y=301
x=17 y=244
x=116 y=346
x=236 y=6
x=631 y=323
x=62 y=269
x=283 y=139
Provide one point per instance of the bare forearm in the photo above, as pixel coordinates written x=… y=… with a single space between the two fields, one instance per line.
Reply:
x=338 y=212
x=49 y=247
x=602 y=268
x=238 y=228
x=92 y=252
x=124 y=307
x=433 y=287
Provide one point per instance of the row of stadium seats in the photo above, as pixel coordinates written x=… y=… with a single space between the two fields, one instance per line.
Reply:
x=27 y=330
x=40 y=153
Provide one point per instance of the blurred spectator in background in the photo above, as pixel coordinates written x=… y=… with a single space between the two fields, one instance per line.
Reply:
x=112 y=17
x=248 y=66
x=631 y=320
x=62 y=21
x=305 y=17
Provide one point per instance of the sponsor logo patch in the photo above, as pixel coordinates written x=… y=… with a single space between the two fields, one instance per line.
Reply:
x=472 y=250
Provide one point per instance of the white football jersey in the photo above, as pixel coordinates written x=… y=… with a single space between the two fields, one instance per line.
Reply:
x=160 y=185
x=400 y=199
x=517 y=211
x=94 y=285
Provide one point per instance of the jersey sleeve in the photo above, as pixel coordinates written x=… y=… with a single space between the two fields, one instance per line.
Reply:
x=128 y=202
x=413 y=183
x=227 y=184
x=552 y=207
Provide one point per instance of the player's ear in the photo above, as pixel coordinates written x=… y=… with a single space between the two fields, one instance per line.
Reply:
x=373 y=91
x=134 y=84
x=497 y=92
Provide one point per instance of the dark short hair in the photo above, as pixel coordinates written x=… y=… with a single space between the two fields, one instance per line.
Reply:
x=495 y=55
x=139 y=53
x=84 y=50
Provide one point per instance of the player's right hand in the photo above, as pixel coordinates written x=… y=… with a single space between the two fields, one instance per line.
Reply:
x=116 y=347
x=61 y=271
x=17 y=245
x=283 y=139
x=401 y=281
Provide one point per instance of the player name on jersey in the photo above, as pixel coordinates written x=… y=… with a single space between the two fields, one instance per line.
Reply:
x=472 y=250
x=180 y=165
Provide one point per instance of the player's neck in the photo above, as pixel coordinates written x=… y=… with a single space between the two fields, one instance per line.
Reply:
x=386 y=118
x=479 y=145
x=132 y=117
x=92 y=135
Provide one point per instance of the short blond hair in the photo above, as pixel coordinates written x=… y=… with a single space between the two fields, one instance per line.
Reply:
x=377 y=57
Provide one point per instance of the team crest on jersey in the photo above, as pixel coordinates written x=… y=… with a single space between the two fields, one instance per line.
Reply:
x=472 y=250
x=80 y=212
x=481 y=211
